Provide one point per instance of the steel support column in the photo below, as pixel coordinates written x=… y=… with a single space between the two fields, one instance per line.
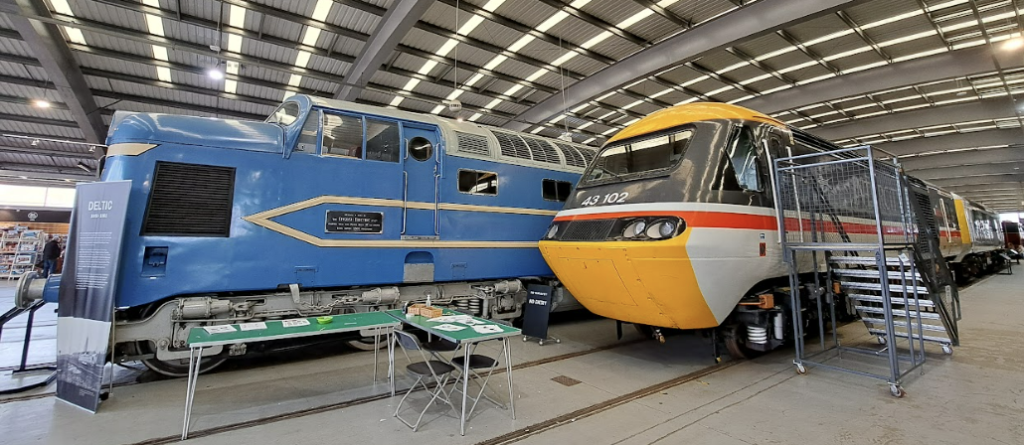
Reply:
x=752 y=21
x=395 y=24
x=50 y=48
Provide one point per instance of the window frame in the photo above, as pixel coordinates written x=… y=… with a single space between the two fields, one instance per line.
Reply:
x=298 y=113
x=556 y=181
x=731 y=148
x=497 y=183
x=323 y=134
x=660 y=172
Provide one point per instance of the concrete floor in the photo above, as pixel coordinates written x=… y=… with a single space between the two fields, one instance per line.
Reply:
x=974 y=396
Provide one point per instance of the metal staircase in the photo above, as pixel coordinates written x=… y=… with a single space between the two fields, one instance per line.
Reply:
x=916 y=313
x=856 y=230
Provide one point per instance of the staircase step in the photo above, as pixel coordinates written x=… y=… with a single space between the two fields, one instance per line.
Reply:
x=866 y=260
x=903 y=324
x=897 y=300
x=899 y=312
x=873 y=273
x=893 y=288
x=900 y=334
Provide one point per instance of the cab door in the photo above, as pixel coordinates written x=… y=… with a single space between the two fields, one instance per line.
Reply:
x=421 y=162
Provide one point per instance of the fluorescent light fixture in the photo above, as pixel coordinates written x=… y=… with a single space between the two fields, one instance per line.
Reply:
x=1013 y=44
x=39 y=103
x=215 y=73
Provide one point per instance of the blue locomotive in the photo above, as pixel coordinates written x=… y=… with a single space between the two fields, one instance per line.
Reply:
x=326 y=207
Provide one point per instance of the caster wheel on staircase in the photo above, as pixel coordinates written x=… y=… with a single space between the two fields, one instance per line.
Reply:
x=800 y=369
x=881 y=340
x=897 y=391
x=524 y=339
x=947 y=349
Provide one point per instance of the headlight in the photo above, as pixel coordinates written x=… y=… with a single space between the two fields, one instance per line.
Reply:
x=552 y=232
x=634 y=229
x=661 y=229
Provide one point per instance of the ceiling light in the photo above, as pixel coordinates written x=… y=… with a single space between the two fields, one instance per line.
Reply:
x=215 y=73
x=1013 y=44
x=41 y=103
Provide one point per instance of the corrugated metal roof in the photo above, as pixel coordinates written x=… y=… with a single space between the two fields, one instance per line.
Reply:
x=14 y=47
x=282 y=28
x=352 y=18
x=700 y=11
x=102 y=12
x=31 y=111
x=29 y=92
x=14 y=69
x=40 y=129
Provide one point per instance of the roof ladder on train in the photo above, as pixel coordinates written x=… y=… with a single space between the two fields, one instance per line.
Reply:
x=858 y=232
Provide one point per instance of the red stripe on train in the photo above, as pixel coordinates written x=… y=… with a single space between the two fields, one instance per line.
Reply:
x=729 y=220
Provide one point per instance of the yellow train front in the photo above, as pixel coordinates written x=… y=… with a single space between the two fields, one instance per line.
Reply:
x=673 y=224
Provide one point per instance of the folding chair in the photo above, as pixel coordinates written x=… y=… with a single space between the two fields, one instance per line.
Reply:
x=426 y=369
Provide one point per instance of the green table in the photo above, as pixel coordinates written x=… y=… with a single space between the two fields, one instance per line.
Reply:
x=466 y=338
x=199 y=338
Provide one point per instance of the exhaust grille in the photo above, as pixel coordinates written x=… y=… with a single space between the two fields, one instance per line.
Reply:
x=190 y=200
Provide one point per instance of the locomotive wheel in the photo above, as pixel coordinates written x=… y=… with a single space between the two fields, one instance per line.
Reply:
x=735 y=338
x=171 y=368
x=176 y=368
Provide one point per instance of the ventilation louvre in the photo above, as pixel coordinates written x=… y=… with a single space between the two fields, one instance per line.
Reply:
x=512 y=145
x=189 y=200
x=542 y=150
x=472 y=143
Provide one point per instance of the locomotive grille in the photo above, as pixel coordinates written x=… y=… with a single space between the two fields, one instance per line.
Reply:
x=190 y=200
x=589 y=230
x=471 y=143
x=542 y=151
x=572 y=156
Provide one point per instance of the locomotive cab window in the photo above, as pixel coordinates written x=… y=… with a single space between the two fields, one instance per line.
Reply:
x=284 y=115
x=478 y=183
x=740 y=169
x=343 y=136
x=639 y=158
x=556 y=190
x=382 y=140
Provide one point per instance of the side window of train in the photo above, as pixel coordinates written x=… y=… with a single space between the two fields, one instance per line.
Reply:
x=740 y=169
x=478 y=182
x=284 y=115
x=343 y=136
x=555 y=190
x=307 y=138
x=382 y=140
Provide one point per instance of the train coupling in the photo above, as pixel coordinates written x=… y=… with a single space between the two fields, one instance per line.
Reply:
x=32 y=287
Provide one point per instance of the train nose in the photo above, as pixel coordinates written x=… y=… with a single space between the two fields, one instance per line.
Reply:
x=651 y=283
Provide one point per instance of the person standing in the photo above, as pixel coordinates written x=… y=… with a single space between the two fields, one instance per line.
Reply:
x=51 y=251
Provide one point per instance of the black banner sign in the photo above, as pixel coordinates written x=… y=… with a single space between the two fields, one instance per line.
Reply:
x=339 y=221
x=538 y=309
x=87 y=288
x=31 y=216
